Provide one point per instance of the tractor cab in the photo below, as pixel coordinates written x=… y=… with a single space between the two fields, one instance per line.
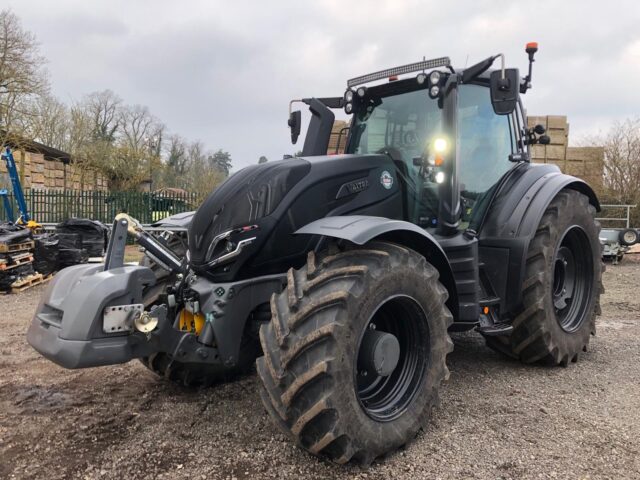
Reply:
x=451 y=134
x=405 y=120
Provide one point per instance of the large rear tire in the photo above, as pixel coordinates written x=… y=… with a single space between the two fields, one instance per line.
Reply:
x=355 y=351
x=562 y=286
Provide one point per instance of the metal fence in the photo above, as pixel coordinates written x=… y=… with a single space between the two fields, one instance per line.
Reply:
x=615 y=216
x=47 y=206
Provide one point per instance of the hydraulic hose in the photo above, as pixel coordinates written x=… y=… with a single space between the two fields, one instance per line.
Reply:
x=153 y=246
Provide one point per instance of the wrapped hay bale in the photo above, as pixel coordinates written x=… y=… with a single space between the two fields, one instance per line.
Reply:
x=93 y=234
x=45 y=254
x=69 y=240
x=70 y=256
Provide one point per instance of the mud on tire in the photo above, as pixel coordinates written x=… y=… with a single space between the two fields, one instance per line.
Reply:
x=310 y=372
x=566 y=245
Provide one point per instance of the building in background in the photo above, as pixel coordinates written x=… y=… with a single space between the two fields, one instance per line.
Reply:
x=46 y=168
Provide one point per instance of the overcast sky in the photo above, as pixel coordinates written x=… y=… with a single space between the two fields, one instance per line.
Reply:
x=223 y=72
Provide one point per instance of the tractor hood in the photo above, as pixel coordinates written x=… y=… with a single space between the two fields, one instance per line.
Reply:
x=245 y=227
x=243 y=199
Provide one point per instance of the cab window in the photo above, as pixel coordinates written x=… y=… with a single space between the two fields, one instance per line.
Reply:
x=485 y=141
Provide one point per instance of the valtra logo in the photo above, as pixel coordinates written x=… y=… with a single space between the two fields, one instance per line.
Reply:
x=386 y=180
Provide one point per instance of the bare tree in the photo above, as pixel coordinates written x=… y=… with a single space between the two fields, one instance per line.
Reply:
x=177 y=154
x=103 y=108
x=622 y=160
x=22 y=76
x=50 y=122
x=137 y=125
x=80 y=131
x=199 y=175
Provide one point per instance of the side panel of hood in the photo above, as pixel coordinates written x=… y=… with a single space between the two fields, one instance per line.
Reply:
x=245 y=197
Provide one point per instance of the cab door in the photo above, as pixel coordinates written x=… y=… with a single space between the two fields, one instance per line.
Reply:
x=485 y=142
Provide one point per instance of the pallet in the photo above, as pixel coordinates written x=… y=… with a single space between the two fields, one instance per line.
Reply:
x=16 y=262
x=29 y=281
x=16 y=247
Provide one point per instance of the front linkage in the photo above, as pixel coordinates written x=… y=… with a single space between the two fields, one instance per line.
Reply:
x=95 y=315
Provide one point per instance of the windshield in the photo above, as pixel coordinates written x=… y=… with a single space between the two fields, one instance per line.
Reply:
x=408 y=127
x=405 y=127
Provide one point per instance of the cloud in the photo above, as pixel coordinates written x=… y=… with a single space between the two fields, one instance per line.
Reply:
x=224 y=72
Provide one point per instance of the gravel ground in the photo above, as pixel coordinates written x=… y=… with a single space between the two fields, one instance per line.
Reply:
x=497 y=419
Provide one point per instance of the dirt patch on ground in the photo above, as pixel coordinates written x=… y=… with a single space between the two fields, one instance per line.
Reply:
x=497 y=419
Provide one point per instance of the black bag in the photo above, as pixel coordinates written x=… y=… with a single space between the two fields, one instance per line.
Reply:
x=10 y=233
x=71 y=256
x=69 y=240
x=45 y=254
x=92 y=234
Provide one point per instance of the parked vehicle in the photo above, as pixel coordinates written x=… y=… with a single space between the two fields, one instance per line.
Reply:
x=344 y=274
x=616 y=242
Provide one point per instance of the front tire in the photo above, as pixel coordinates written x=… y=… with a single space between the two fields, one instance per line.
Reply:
x=324 y=376
x=562 y=286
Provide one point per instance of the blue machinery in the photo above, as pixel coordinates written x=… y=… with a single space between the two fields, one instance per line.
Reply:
x=24 y=217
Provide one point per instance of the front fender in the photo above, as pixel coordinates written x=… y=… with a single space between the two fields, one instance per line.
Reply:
x=360 y=229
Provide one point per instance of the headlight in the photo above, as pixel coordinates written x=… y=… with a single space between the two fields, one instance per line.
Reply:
x=348 y=108
x=421 y=78
x=434 y=77
x=434 y=91
x=439 y=177
x=362 y=91
x=440 y=145
x=348 y=96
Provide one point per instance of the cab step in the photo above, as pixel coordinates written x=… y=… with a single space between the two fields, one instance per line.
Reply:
x=489 y=302
x=495 y=330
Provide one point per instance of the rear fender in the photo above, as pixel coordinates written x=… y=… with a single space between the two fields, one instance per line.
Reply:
x=511 y=224
x=360 y=229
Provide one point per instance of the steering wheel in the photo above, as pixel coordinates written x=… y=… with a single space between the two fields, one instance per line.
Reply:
x=410 y=139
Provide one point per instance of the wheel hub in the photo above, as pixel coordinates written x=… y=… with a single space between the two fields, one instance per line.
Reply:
x=392 y=357
x=379 y=353
x=573 y=272
x=629 y=237
x=563 y=278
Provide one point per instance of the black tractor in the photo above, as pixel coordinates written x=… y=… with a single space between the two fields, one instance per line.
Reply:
x=344 y=274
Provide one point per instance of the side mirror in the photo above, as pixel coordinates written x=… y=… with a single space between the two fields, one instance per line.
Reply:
x=505 y=91
x=295 y=121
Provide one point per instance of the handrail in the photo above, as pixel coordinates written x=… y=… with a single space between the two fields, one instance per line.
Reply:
x=625 y=219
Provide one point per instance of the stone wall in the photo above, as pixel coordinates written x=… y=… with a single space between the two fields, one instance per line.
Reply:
x=41 y=173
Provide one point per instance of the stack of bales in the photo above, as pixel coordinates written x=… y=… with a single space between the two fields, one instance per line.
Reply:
x=586 y=163
x=338 y=138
